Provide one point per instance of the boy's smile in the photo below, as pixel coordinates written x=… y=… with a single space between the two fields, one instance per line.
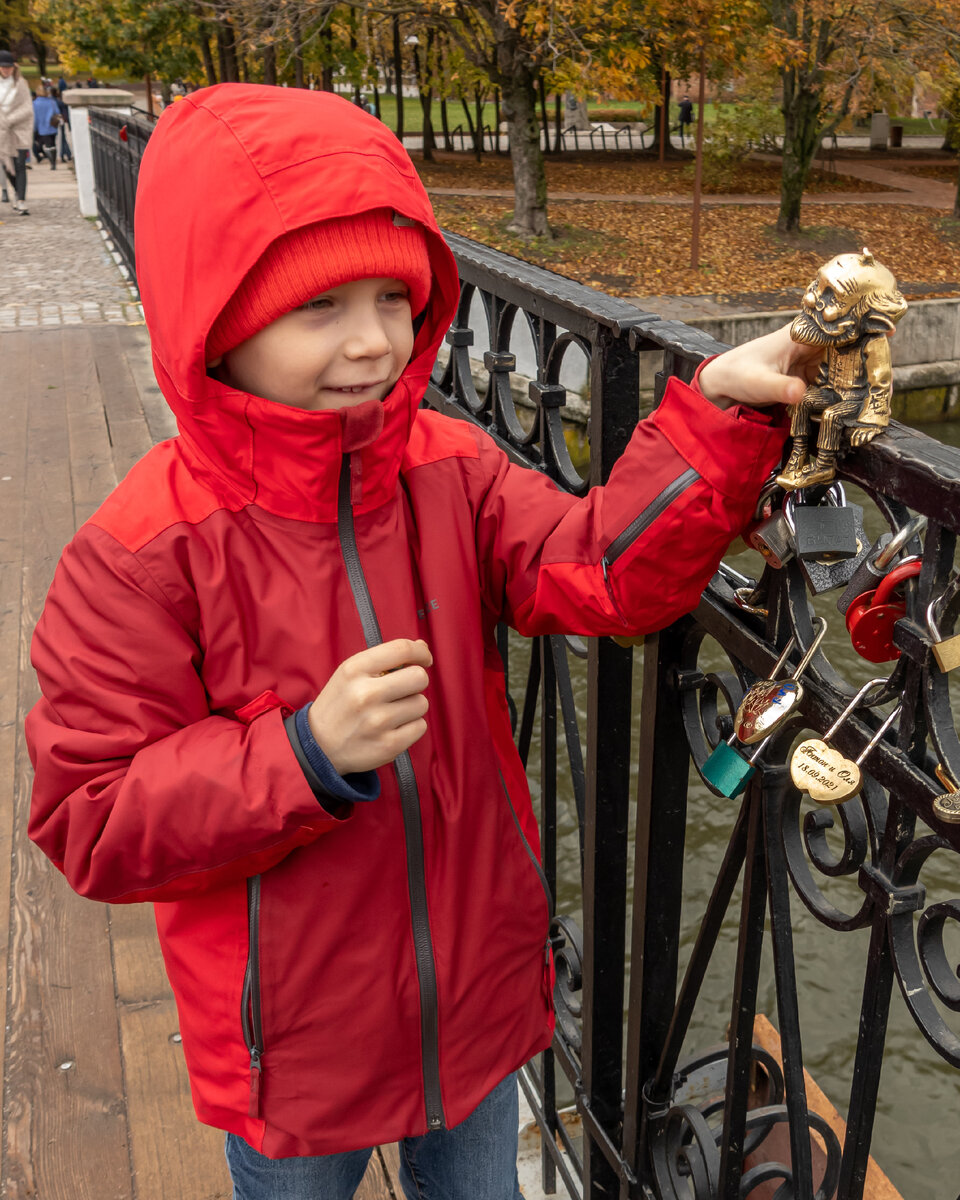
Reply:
x=348 y=345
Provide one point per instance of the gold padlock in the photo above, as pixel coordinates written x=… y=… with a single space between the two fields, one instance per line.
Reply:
x=945 y=650
x=947 y=806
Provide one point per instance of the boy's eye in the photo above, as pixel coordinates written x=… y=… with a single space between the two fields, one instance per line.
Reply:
x=398 y=294
x=317 y=302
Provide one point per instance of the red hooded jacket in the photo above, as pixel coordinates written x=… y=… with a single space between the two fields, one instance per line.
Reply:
x=341 y=981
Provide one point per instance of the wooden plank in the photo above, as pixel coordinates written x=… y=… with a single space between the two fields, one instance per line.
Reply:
x=173 y=1156
x=136 y=343
x=13 y=445
x=776 y=1146
x=129 y=436
x=65 y=1131
x=375 y=1184
x=91 y=455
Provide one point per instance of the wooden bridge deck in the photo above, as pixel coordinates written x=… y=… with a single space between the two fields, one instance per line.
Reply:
x=96 y=1103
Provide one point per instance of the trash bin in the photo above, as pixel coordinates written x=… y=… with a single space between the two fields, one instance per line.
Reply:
x=896 y=136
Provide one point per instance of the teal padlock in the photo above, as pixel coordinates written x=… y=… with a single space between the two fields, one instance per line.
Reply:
x=727 y=771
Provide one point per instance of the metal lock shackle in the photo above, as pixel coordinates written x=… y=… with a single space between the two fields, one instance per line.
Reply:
x=946 y=651
x=828 y=777
x=903 y=535
x=769 y=702
x=834 y=494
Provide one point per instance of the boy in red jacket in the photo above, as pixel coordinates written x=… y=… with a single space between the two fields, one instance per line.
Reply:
x=272 y=699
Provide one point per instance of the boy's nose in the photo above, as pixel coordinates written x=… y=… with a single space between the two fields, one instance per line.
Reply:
x=367 y=336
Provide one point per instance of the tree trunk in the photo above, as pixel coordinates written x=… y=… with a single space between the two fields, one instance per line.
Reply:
x=445 y=125
x=698 y=170
x=398 y=75
x=661 y=118
x=425 y=91
x=542 y=87
x=41 y=52
x=326 y=69
x=203 y=41
x=149 y=85
x=296 y=30
x=529 y=175
x=270 y=65
x=557 y=123
x=227 y=53
x=496 y=117
x=801 y=133
x=956 y=199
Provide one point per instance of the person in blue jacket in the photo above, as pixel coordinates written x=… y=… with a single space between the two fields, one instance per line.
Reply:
x=47 y=119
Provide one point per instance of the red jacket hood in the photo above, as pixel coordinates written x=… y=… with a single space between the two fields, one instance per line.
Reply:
x=228 y=170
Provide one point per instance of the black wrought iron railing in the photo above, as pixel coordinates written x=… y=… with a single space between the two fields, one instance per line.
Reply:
x=118 y=141
x=665 y=1113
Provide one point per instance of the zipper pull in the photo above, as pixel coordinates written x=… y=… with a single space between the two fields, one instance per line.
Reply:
x=255 y=1075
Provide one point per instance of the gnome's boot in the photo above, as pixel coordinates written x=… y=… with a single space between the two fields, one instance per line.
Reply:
x=823 y=470
x=791 y=477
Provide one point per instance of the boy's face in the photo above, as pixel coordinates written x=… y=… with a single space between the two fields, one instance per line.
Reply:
x=346 y=346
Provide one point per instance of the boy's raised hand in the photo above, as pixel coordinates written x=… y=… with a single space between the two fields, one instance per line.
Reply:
x=372 y=707
x=773 y=369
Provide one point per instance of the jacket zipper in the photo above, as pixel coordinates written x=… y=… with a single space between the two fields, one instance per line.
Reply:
x=412 y=824
x=645 y=519
x=250 y=1013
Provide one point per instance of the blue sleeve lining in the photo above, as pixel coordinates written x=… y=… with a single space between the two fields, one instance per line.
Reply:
x=356 y=786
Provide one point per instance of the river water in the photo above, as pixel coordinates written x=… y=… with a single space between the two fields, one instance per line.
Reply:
x=919 y=1099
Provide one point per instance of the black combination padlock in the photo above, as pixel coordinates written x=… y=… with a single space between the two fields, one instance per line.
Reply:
x=824 y=532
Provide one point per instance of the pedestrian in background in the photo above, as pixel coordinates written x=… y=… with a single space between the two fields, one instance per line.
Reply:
x=47 y=119
x=686 y=117
x=16 y=129
x=66 y=153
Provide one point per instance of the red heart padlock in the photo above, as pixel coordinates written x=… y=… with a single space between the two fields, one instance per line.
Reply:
x=872 y=616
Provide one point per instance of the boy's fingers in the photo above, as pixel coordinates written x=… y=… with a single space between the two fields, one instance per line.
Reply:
x=388 y=656
x=408 y=680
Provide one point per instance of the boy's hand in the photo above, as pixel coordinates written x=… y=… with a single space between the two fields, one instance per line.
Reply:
x=372 y=707
x=772 y=369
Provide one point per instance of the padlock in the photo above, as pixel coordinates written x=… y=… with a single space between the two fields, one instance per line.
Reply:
x=878 y=561
x=823 y=532
x=727 y=771
x=769 y=702
x=947 y=806
x=871 y=617
x=826 y=574
x=771 y=535
x=824 y=773
x=945 y=650
x=773 y=539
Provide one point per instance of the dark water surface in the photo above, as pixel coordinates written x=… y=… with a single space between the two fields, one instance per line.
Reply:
x=915 y=1139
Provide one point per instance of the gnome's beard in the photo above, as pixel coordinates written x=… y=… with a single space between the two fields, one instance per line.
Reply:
x=809 y=332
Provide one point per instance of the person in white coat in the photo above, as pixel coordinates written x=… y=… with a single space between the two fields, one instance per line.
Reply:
x=16 y=129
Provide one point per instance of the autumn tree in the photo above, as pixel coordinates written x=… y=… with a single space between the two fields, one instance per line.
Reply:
x=827 y=49
x=138 y=37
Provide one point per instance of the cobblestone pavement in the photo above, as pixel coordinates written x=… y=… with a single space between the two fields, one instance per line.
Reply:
x=57 y=269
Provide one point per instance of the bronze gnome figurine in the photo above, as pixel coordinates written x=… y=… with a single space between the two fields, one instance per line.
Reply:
x=850 y=308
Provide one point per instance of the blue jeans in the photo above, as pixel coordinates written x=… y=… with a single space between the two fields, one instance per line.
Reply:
x=477 y=1160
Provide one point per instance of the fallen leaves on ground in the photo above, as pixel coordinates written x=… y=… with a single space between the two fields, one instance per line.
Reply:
x=645 y=249
x=621 y=175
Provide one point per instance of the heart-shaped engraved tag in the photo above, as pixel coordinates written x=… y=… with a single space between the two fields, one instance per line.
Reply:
x=764 y=708
x=823 y=772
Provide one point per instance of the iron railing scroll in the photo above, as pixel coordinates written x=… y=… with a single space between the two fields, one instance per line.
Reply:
x=118 y=141
x=662 y=1122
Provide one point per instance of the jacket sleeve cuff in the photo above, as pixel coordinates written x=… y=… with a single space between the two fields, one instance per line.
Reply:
x=727 y=447
x=334 y=792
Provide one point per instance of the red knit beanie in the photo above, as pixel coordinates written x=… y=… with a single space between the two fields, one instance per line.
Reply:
x=305 y=262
